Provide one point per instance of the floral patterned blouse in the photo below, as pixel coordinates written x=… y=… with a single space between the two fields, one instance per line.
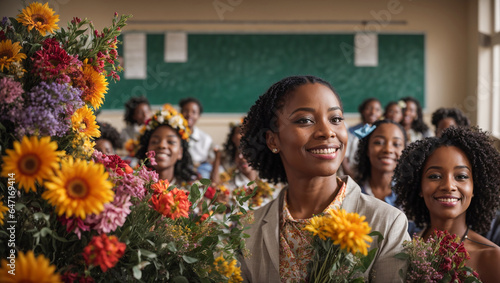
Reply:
x=296 y=249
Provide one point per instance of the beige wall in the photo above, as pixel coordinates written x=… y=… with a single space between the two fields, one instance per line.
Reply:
x=449 y=25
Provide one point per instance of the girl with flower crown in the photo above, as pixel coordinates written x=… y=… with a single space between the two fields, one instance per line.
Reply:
x=295 y=134
x=451 y=184
x=167 y=134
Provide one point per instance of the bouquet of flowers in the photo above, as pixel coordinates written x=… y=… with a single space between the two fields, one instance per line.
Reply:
x=440 y=258
x=69 y=213
x=340 y=242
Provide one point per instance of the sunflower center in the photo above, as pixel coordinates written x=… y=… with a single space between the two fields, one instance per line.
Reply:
x=29 y=164
x=77 y=188
x=37 y=18
x=6 y=53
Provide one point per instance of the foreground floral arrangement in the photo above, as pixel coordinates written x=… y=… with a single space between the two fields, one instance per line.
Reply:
x=440 y=258
x=340 y=242
x=69 y=213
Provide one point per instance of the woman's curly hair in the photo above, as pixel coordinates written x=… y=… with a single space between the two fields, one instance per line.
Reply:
x=454 y=113
x=484 y=159
x=262 y=117
x=130 y=107
x=364 y=166
x=417 y=124
x=183 y=169
x=109 y=133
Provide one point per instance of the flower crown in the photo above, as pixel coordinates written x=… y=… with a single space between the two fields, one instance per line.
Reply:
x=168 y=116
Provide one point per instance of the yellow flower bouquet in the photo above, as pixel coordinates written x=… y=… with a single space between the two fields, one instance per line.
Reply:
x=340 y=242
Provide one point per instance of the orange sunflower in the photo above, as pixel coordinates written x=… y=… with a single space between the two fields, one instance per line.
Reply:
x=83 y=121
x=40 y=17
x=9 y=53
x=29 y=269
x=96 y=86
x=31 y=160
x=79 y=189
x=3 y=209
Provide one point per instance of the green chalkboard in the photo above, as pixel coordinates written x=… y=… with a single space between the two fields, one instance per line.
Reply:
x=228 y=72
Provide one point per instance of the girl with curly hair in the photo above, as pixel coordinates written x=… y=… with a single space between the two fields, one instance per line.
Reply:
x=377 y=156
x=295 y=134
x=451 y=183
x=167 y=135
x=413 y=120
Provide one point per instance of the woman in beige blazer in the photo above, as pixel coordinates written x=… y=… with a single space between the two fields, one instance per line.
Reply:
x=295 y=134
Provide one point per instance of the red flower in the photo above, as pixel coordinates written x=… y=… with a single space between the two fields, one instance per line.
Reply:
x=172 y=204
x=117 y=164
x=210 y=193
x=70 y=277
x=103 y=251
x=446 y=264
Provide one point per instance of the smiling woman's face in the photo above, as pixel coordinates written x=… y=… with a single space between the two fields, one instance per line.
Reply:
x=385 y=146
x=447 y=185
x=311 y=135
x=166 y=144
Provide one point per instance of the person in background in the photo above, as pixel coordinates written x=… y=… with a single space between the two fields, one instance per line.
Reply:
x=200 y=144
x=451 y=184
x=232 y=173
x=370 y=110
x=444 y=118
x=413 y=120
x=137 y=112
x=109 y=140
x=295 y=134
x=379 y=149
x=167 y=134
x=394 y=111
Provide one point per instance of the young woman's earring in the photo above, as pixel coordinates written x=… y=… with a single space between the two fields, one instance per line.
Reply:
x=275 y=150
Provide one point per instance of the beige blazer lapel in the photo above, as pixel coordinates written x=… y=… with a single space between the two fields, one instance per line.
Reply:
x=270 y=231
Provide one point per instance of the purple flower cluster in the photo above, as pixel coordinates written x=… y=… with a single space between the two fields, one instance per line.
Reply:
x=47 y=110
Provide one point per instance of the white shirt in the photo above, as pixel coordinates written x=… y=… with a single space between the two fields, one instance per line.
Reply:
x=200 y=147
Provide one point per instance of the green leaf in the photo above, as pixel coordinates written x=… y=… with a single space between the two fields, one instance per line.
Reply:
x=147 y=253
x=45 y=231
x=368 y=259
x=377 y=233
x=189 y=259
x=137 y=272
x=206 y=182
x=180 y=279
x=402 y=256
x=194 y=194
x=220 y=208
x=171 y=247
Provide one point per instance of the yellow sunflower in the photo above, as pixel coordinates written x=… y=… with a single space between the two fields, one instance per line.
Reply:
x=40 y=17
x=83 y=121
x=9 y=53
x=3 y=209
x=349 y=230
x=31 y=160
x=96 y=84
x=79 y=189
x=29 y=269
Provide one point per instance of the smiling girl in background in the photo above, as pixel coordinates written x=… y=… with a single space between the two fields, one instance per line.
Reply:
x=377 y=157
x=167 y=134
x=295 y=134
x=451 y=183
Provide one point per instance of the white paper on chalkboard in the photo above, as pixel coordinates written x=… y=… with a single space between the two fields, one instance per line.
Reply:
x=134 y=55
x=176 y=48
x=366 y=50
